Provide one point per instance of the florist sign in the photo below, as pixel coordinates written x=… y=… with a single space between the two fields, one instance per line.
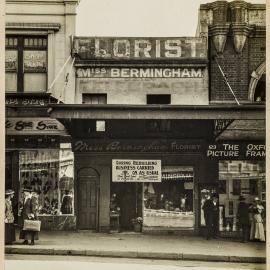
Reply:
x=127 y=170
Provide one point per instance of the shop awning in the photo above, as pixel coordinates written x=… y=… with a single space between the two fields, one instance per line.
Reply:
x=103 y=112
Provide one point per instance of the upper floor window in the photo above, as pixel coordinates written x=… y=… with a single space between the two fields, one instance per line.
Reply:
x=26 y=63
x=159 y=99
x=94 y=98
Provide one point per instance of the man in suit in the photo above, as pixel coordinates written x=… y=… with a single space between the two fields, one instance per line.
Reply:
x=211 y=216
x=243 y=218
x=28 y=211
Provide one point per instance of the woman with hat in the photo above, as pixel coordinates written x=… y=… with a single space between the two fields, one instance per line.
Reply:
x=9 y=218
x=29 y=211
x=257 y=228
x=243 y=217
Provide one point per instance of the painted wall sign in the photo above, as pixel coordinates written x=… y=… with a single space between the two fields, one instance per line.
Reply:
x=139 y=73
x=11 y=60
x=236 y=150
x=33 y=126
x=136 y=146
x=125 y=170
x=35 y=61
x=26 y=101
x=140 y=48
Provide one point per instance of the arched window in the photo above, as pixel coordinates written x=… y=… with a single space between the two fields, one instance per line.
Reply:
x=257 y=84
x=259 y=94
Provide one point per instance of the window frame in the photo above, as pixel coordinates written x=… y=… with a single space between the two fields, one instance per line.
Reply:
x=20 y=47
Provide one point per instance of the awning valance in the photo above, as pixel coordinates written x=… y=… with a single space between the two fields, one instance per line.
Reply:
x=103 y=112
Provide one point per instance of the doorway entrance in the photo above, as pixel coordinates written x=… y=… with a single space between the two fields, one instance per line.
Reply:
x=88 y=193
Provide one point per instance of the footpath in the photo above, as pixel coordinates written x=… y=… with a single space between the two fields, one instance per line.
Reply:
x=139 y=245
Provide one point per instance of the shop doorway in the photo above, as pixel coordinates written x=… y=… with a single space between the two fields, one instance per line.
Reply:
x=127 y=201
x=88 y=192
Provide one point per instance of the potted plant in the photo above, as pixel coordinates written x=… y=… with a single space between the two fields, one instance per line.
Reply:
x=137 y=224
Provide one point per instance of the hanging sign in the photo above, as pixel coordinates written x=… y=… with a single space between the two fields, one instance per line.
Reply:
x=127 y=170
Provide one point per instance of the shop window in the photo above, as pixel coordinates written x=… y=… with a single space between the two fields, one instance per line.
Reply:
x=243 y=177
x=170 y=203
x=94 y=98
x=26 y=64
x=222 y=189
x=236 y=186
x=158 y=99
x=50 y=174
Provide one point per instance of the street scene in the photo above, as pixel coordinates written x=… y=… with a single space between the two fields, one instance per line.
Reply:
x=127 y=149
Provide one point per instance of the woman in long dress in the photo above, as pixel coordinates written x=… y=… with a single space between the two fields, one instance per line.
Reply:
x=9 y=218
x=257 y=228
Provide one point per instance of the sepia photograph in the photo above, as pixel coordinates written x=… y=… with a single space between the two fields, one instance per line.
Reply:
x=135 y=134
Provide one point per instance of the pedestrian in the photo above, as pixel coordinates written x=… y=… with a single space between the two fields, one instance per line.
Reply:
x=29 y=211
x=9 y=218
x=66 y=206
x=243 y=218
x=257 y=228
x=211 y=216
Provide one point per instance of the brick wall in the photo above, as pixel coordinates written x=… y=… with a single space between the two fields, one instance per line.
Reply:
x=237 y=67
x=256 y=52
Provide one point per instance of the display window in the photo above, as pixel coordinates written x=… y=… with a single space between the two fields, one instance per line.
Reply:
x=242 y=178
x=170 y=202
x=49 y=172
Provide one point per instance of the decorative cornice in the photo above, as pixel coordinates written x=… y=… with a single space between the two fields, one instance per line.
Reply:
x=33 y=26
x=219 y=34
x=240 y=33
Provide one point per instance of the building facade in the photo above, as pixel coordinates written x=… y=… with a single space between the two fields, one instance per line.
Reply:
x=38 y=149
x=153 y=128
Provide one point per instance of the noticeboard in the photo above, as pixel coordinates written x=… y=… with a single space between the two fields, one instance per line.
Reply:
x=127 y=170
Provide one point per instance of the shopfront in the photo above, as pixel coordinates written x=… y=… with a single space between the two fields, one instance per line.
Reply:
x=241 y=171
x=39 y=157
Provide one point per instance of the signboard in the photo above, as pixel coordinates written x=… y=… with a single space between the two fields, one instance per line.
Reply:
x=23 y=101
x=35 y=61
x=22 y=126
x=139 y=48
x=139 y=73
x=125 y=170
x=11 y=60
x=230 y=150
x=146 y=145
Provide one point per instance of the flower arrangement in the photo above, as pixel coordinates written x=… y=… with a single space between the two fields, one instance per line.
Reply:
x=137 y=220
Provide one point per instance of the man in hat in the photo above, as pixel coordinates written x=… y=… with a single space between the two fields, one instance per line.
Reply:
x=211 y=216
x=9 y=217
x=28 y=212
x=243 y=217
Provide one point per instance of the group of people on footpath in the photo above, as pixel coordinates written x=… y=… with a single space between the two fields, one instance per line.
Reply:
x=250 y=218
x=28 y=217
